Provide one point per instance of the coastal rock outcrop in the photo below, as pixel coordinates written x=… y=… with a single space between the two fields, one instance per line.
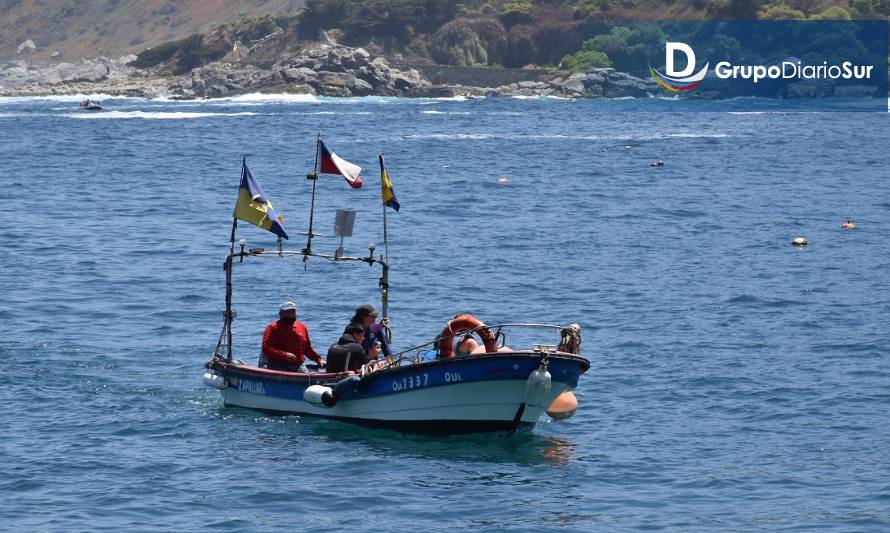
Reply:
x=599 y=82
x=327 y=70
x=26 y=47
x=23 y=74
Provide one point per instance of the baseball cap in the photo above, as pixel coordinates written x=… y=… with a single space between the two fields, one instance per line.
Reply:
x=365 y=310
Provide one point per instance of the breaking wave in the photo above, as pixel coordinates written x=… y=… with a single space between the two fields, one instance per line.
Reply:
x=155 y=115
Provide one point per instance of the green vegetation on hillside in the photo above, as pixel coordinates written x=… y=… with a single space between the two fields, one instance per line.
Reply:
x=575 y=34
x=183 y=55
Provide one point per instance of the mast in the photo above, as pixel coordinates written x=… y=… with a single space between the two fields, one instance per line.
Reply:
x=384 y=278
x=383 y=204
x=314 y=177
x=227 y=325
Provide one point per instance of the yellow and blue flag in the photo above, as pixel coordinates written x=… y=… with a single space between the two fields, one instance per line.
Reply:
x=254 y=207
x=389 y=196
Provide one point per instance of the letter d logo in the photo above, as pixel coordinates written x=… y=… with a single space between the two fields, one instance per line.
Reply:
x=679 y=80
x=669 y=52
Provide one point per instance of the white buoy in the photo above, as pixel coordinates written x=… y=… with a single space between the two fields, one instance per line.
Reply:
x=800 y=241
x=503 y=180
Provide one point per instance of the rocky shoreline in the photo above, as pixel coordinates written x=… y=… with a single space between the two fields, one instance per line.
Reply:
x=324 y=70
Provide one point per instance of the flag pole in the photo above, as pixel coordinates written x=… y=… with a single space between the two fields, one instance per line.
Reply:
x=383 y=204
x=228 y=317
x=314 y=177
x=229 y=264
x=384 y=279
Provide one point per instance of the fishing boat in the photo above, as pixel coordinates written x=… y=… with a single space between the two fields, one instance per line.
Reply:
x=425 y=389
x=90 y=105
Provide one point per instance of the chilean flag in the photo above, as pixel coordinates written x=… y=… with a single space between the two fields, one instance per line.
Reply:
x=331 y=163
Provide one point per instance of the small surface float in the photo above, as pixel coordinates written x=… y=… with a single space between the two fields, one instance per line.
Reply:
x=800 y=241
x=563 y=406
x=848 y=225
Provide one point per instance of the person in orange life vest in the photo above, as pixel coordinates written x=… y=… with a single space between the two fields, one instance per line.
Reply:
x=286 y=342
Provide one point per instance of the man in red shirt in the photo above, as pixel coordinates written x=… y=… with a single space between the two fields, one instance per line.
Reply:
x=286 y=342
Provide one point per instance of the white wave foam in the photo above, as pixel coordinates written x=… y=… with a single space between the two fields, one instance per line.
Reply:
x=263 y=98
x=61 y=98
x=445 y=112
x=544 y=97
x=432 y=101
x=156 y=115
x=336 y=113
x=546 y=136
x=451 y=136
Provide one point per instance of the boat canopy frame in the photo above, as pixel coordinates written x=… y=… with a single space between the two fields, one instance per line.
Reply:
x=224 y=343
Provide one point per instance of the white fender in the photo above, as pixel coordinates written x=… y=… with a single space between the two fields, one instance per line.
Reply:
x=319 y=395
x=214 y=380
x=537 y=386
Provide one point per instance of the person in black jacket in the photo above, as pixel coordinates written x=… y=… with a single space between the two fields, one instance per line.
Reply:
x=366 y=316
x=347 y=353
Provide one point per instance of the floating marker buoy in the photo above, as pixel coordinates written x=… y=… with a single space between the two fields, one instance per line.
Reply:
x=848 y=225
x=800 y=241
x=563 y=406
x=503 y=180
x=627 y=147
x=658 y=163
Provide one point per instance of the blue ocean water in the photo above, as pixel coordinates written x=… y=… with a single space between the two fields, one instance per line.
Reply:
x=737 y=382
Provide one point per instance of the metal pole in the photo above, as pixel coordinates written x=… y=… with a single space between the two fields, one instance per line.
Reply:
x=314 y=177
x=384 y=279
x=228 y=317
x=385 y=240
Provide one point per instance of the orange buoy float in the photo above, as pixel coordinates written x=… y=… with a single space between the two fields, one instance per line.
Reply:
x=848 y=225
x=461 y=324
x=563 y=406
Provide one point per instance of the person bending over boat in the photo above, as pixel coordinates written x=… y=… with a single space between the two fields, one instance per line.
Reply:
x=348 y=354
x=286 y=342
x=366 y=317
x=466 y=345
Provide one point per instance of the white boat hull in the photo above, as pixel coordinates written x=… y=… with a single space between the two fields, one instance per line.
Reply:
x=459 y=396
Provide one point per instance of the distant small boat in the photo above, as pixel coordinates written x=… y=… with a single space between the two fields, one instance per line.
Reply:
x=90 y=105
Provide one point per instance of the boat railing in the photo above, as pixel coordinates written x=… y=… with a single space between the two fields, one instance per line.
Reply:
x=569 y=342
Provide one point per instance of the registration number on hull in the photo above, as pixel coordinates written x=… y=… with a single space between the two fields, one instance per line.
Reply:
x=253 y=387
x=411 y=382
x=421 y=380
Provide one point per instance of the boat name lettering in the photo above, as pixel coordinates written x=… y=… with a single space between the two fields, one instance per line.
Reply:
x=253 y=387
x=411 y=382
x=452 y=377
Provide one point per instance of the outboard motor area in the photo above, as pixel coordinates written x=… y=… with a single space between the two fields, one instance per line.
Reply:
x=320 y=396
x=537 y=386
